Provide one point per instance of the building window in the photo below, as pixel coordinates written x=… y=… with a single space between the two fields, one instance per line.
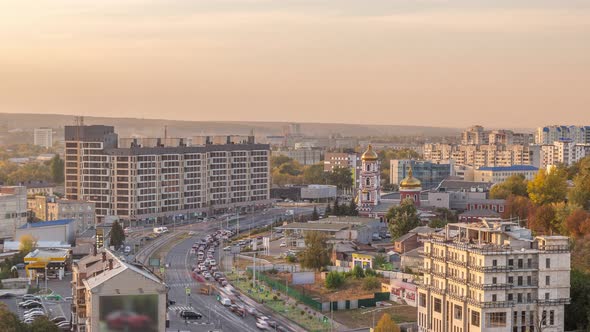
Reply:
x=494 y=280
x=551 y=317
x=475 y=318
x=520 y=263
x=422 y=300
x=495 y=262
x=437 y=305
x=511 y=262
x=519 y=298
x=494 y=298
x=496 y=319
x=544 y=318
x=519 y=281
x=528 y=297
x=458 y=314
x=510 y=297
x=548 y=263
x=547 y=280
x=510 y=280
x=546 y=296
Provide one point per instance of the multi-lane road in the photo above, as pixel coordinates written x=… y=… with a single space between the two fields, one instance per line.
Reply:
x=178 y=278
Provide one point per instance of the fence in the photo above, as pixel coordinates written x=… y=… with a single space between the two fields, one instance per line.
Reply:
x=291 y=292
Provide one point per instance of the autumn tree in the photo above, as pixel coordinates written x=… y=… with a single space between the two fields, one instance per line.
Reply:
x=577 y=223
x=317 y=252
x=9 y=322
x=27 y=243
x=548 y=187
x=517 y=207
x=402 y=219
x=541 y=219
x=386 y=324
x=513 y=185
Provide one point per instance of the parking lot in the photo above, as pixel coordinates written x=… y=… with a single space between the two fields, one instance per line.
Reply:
x=58 y=304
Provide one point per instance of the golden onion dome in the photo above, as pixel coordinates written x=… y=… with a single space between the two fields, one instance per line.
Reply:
x=410 y=181
x=370 y=154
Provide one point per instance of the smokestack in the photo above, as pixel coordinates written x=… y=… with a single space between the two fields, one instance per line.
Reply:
x=104 y=256
x=110 y=263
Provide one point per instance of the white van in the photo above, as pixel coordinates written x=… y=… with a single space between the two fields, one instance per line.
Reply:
x=225 y=301
x=160 y=230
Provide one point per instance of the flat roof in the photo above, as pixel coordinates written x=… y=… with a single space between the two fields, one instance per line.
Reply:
x=48 y=253
x=46 y=223
x=315 y=227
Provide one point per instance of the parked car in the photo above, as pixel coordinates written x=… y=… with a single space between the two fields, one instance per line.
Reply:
x=59 y=319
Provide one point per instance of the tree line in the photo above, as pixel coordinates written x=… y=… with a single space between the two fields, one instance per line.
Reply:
x=48 y=171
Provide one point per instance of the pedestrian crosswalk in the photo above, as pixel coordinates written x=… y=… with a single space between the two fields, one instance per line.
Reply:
x=183 y=284
x=179 y=308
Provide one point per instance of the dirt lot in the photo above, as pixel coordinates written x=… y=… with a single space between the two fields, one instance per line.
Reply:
x=364 y=317
x=352 y=289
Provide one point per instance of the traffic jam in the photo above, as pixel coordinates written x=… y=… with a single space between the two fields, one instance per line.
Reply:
x=207 y=272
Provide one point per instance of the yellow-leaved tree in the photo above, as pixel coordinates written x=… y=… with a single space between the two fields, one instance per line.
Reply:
x=548 y=186
x=27 y=243
x=386 y=324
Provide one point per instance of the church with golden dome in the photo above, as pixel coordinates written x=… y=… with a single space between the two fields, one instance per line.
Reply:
x=370 y=203
x=369 y=194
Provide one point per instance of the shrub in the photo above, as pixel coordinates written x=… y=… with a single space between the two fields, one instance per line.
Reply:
x=358 y=272
x=302 y=312
x=370 y=272
x=334 y=280
x=275 y=298
x=371 y=283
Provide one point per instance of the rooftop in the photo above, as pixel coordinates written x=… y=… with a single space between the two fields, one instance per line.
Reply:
x=509 y=168
x=46 y=223
x=48 y=253
x=326 y=227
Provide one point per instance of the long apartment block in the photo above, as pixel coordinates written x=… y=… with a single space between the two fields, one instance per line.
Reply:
x=493 y=276
x=138 y=182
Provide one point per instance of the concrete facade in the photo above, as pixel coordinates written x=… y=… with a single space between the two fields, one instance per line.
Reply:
x=55 y=230
x=13 y=210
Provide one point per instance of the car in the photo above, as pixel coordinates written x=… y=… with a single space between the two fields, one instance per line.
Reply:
x=53 y=297
x=64 y=324
x=20 y=304
x=30 y=297
x=34 y=315
x=191 y=233
x=189 y=314
x=59 y=319
x=20 y=266
x=283 y=244
x=262 y=325
x=127 y=249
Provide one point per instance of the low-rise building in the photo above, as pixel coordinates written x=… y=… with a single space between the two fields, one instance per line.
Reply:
x=39 y=188
x=106 y=290
x=356 y=229
x=13 y=210
x=53 y=208
x=62 y=230
x=49 y=261
x=430 y=173
x=501 y=173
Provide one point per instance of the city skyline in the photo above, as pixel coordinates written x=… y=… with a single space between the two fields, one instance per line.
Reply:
x=500 y=64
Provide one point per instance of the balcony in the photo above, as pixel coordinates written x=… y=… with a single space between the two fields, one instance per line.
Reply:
x=497 y=304
x=553 y=301
x=489 y=286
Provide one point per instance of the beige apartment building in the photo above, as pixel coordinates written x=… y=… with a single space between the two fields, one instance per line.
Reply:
x=145 y=182
x=493 y=277
x=110 y=293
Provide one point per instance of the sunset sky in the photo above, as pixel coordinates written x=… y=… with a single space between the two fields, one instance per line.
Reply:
x=409 y=62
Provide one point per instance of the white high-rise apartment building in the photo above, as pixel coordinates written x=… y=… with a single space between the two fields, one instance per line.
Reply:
x=43 y=137
x=493 y=277
x=141 y=183
x=550 y=134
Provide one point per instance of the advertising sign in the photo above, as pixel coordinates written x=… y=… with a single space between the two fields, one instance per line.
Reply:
x=132 y=313
x=303 y=278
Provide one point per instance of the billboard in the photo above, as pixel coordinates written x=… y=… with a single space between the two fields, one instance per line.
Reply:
x=303 y=278
x=128 y=313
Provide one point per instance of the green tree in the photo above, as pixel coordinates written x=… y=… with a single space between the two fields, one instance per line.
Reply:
x=43 y=324
x=386 y=324
x=513 y=185
x=57 y=169
x=315 y=215
x=340 y=177
x=402 y=219
x=352 y=208
x=334 y=280
x=580 y=193
x=314 y=174
x=328 y=210
x=379 y=261
x=577 y=313
x=317 y=252
x=117 y=235
x=371 y=283
x=548 y=187
x=437 y=223
x=358 y=272
x=9 y=322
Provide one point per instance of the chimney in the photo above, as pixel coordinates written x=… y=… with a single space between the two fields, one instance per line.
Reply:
x=110 y=263
x=104 y=256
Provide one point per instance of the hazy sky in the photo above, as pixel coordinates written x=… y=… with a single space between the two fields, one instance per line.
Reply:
x=432 y=62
